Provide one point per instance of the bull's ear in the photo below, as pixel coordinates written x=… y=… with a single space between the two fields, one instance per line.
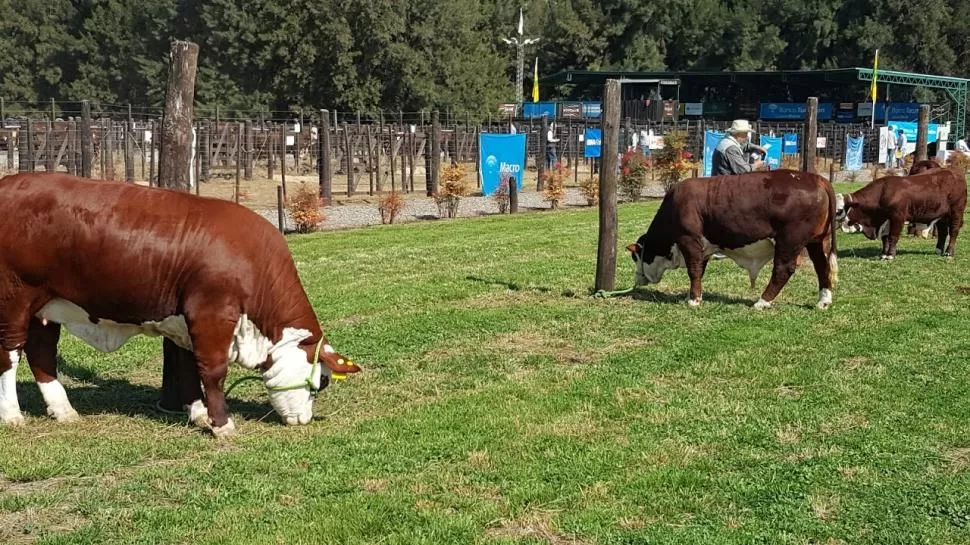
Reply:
x=634 y=248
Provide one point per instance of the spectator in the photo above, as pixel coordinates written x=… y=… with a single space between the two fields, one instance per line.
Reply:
x=730 y=154
x=551 y=146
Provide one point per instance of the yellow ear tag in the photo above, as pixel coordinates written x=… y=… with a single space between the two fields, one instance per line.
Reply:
x=338 y=376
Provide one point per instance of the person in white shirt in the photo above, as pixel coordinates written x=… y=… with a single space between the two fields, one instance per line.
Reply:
x=551 y=146
x=962 y=146
x=891 y=147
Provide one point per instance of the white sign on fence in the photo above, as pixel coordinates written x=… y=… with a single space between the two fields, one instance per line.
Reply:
x=820 y=142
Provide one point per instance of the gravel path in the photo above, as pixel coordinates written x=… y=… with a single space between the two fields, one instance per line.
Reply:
x=349 y=215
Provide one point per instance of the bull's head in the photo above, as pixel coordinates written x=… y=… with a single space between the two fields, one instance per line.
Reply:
x=650 y=266
x=298 y=371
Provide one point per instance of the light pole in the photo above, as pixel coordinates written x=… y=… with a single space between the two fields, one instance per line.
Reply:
x=519 y=41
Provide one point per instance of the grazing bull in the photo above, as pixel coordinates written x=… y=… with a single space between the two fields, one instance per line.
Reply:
x=930 y=195
x=110 y=260
x=752 y=218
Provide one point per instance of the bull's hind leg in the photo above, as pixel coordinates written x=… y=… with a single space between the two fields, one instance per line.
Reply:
x=942 y=232
x=895 y=231
x=816 y=252
x=41 y=351
x=956 y=223
x=9 y=403
x=784 y=267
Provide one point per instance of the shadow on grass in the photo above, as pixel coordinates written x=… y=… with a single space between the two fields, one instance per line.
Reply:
x=514 y=286
x=680 y=298
x=873 y=252
x=118 y=396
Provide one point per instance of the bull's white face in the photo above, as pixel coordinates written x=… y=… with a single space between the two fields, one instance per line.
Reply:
x=651 y=268
x=291 y=367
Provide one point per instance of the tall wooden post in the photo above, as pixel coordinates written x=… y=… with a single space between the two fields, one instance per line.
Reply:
x=323 y=158
x=49 y=165
x=606 y=254
x=349 y=154
x=435 y=153
x=180 y=377
x=248 y=152
x=239 y=146
x=283 y=159
x=176 y=138
x=152 y=181
x=811 y=135
x=922 y=133
x=204 y=153
x=22 y=148
x=30 y=147
x=87 y=145
x=270 y=146
x=129 y=149
x=380 y=153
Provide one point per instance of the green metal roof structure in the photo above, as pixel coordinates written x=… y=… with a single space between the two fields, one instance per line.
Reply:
x=956 y=89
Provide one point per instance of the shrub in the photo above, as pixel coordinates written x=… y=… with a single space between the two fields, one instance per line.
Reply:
x=390 y=205
x=960 y=161
x=554 y=185
x=453 y=188
x=304 y=208
x=590 y=189
x=790 y=162
x=501 y=195
x=633 y=174
x=673 y=161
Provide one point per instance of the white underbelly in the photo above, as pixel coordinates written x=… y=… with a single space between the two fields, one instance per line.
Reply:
x=107 y=335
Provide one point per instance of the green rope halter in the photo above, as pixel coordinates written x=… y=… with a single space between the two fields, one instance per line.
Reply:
x=308 y=383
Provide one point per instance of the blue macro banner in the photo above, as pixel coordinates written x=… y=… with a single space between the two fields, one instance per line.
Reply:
x=593 y=140
x=794 y=110
x=909 y=129
x=773 y=145
x=711 y=138
x=502 y=155
x=791 y=143
x=853 y=152
x=536 y=110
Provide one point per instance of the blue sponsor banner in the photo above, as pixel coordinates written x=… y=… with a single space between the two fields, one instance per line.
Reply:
x=536 y=110
x=593 y=109
x=903 y=111
x=790 y=143
x=853 y=152
x=593 y=140
x=794 y=110
x=773 y=146
x=711 y=139
x=909 y=129
x=502 y=155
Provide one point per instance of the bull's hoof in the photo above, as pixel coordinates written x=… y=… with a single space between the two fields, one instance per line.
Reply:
x=198 y=414
x=296 y=420
x=223 y=432
x=63 y=415
x=693 y=303
x=11 y=417
x=824 y=299
x=885 y=257
x=939 y=252
x=762 y=305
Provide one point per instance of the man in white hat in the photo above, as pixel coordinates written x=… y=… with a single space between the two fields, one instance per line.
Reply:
x=730 y=154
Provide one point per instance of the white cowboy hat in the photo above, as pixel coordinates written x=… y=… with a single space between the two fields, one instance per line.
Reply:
x=739 y=125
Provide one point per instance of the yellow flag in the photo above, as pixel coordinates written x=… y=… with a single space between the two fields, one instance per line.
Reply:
x=875 y=67
x=535 y=83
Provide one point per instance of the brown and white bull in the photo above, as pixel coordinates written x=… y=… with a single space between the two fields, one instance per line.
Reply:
x=752 y=218
x=930 y=196
x=110 y=260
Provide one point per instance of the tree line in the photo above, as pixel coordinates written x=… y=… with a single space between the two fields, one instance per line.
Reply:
x=411 y=55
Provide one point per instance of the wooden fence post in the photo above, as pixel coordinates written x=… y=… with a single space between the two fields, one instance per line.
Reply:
x=922 y=133
x=323 y=159
x=248 y=153
x=606 y=253
x=87 y=146
x=22 y=158
x=283 y=158
x=179 y=371
x=541 y=153
x=129 y=151
x=270 y=145
x=152 y=182
x=435 y=153
x=811 y=136
x=279 y=208
x=49 y=165
x=240 y=137
x=349 y=154
x=30 y=147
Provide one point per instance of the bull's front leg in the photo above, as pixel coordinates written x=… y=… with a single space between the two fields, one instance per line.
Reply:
x=41 y=351
x=211 y=329
x=942 y=230
x=956 y=223
x=784 y=267
x=9 y=403
x=693 y=252
x=895 y=231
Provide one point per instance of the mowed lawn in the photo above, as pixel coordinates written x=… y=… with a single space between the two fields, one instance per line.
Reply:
x=499 y=403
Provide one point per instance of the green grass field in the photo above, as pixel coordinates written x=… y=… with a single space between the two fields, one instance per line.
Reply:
x=500 y=404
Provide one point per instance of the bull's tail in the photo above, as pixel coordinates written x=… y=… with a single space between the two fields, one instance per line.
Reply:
x=833 y=256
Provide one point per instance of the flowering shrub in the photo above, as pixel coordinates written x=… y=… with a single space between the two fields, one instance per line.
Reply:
x=390 y=205
x=960 y=161
x=673 y=161
x=633 y=174
x=590 y=188
x=554 y=185
x=453 y=188
x=304 y=208
x=501 y=195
